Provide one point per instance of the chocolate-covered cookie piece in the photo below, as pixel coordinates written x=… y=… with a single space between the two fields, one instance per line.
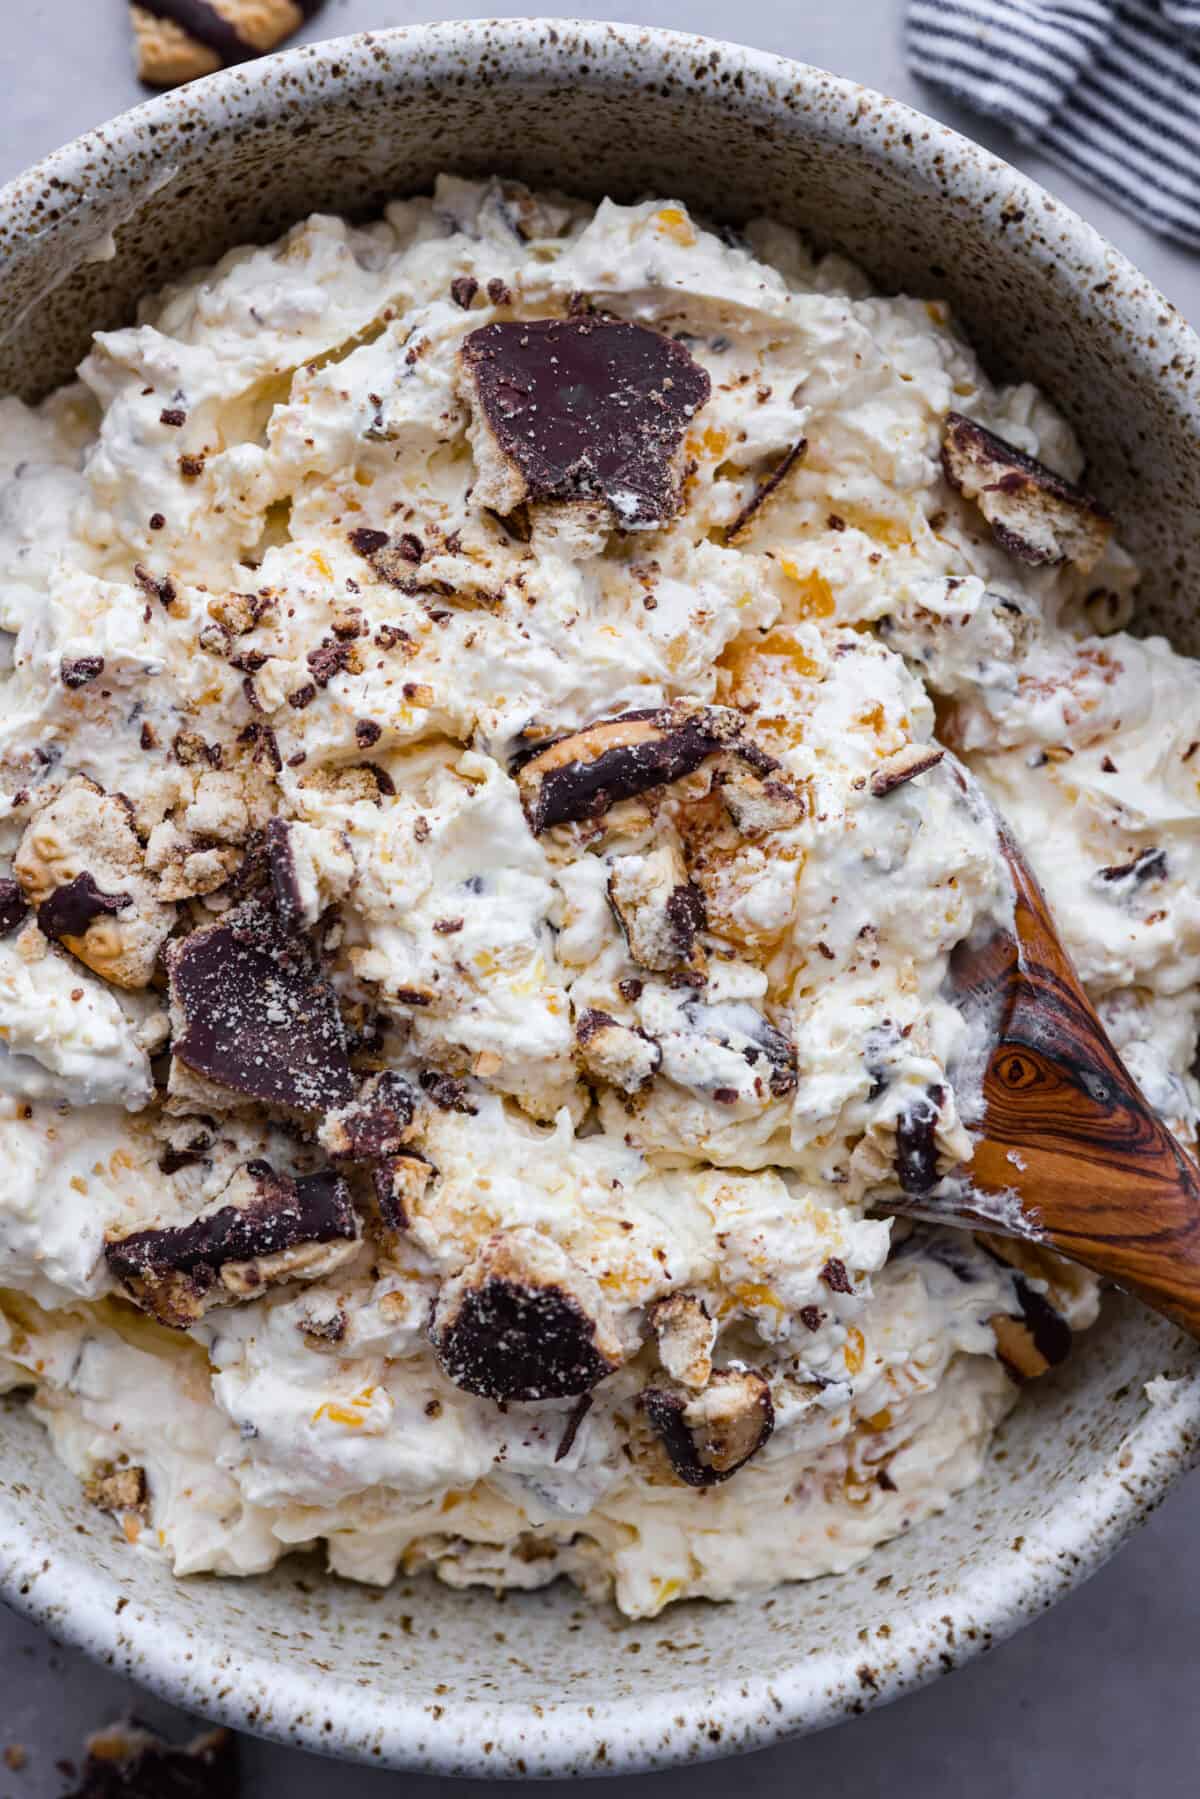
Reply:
x=916 y=1142
x=582 y=775
x=178 y=40
x=82 y=864
x=267 y=1228
x=904 y=765
x=14 y=907
x=581 y=410
x=1037 y=516
x=1035 y=1342
x=660 y=911
x=523 y=1321
x=252 y=1013
x=616 y=1053
x=72 y=909
x=708 y=1437
x=1040 y=1337
x=375 y=1123
x=759 y=800
x=400 y=1183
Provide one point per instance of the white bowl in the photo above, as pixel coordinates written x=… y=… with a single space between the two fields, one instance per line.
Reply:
x=420 y=1676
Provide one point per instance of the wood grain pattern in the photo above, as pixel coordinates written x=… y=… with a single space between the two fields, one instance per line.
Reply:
x=1065 y=1128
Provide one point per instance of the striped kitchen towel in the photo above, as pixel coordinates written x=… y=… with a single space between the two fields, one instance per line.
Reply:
x=1108 y=89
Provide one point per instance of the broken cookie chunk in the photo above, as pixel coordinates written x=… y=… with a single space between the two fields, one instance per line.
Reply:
x=1037 y=516
x=179 y=40
x=759 y=802
x=112 y=1489
x=660 y=911
x=523 y=1321
x=581 y=776
x=1035 y=1342
x=81 y=864
x=686 y=1335
x=265 y=1229
x=903 y=766
x=375 y=1123
x=616 y=1053
x=1045 y=1288
x=580 y=410
x=400 y=1183
x=253 y=1016
x=709 y=1437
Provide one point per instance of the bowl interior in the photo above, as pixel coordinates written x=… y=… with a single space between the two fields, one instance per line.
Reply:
x=418 y=1675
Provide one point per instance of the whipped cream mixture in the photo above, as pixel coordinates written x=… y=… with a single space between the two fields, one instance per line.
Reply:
x=480 y=864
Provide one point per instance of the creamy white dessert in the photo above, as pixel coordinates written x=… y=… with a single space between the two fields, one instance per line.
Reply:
x=482 y=868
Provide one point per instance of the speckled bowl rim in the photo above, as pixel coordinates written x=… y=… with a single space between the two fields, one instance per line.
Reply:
x=55 y=1584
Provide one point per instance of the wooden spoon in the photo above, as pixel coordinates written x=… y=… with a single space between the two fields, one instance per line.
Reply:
x=1068 y=1154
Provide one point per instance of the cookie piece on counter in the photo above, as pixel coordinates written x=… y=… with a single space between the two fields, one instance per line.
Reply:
x=265 y=1229
x=126 y=1761
x=178 y=40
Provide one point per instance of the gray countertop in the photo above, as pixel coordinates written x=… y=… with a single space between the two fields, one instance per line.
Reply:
x=1099 y=1697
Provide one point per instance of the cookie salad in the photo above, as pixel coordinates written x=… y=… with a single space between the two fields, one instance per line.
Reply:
x=482 y=837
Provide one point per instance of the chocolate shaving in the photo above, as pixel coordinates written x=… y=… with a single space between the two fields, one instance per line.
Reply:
x=157 y=587
x=463 y=290
x=578 y=1413
x=835 y=1276
x=328 y=659
x=766 y=489
x=1150 y=865
x=367 y=541
x=1037 y=516
x=258 y=1017
x=81 y=671
x=72 y=908
x=14 y=907
x=588 y=409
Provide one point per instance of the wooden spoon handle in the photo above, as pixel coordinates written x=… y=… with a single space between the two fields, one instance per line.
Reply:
x=1066 y=1130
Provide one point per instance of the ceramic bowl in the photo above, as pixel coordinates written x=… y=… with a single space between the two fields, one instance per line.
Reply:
x=419 y=1676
